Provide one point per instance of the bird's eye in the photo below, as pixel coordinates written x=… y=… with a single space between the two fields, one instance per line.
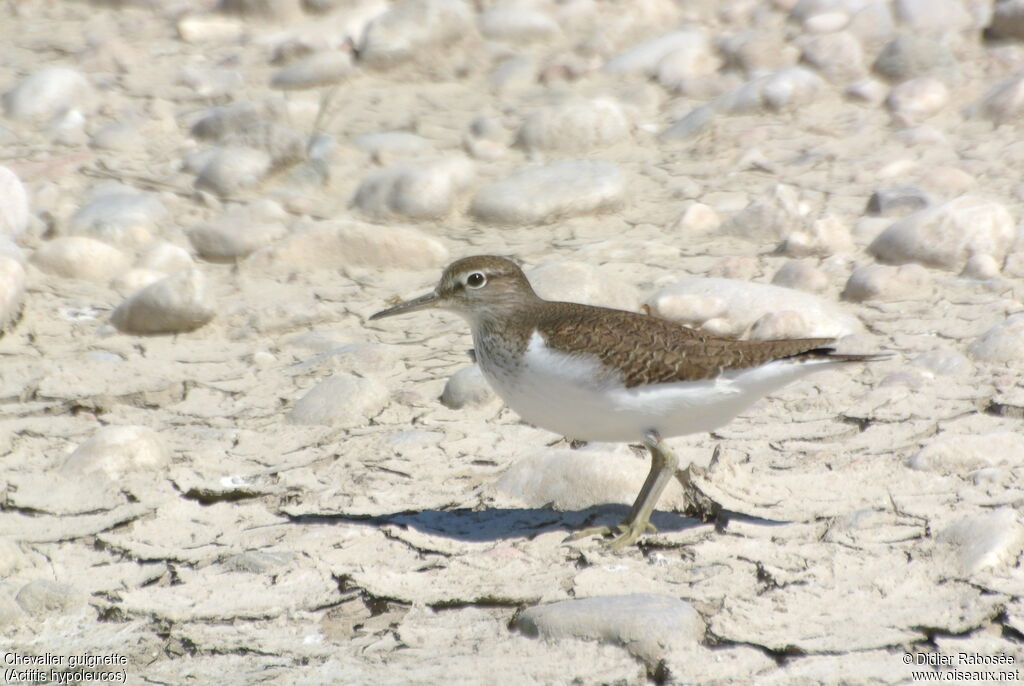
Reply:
x=476 y=280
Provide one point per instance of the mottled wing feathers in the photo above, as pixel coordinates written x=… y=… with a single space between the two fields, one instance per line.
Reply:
x=649 y=350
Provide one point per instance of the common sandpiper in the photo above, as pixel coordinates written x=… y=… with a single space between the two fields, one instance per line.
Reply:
x=600 y=374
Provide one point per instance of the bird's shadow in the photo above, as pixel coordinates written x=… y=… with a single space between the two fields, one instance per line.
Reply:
x=494 y=524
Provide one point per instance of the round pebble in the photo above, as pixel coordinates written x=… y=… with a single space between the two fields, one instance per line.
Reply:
x=577 y=126
x=175 y=304
x=119 y=216
x=411 y=26
x=698 y=218
x=917 y=99
x=884 y=282
x=517 y=23
x=46 y=93
x=43 y=598
x=229 y=170
x=947 y=235
x=1002 y=344
x=984 y=541
x=165 y=257
x=120 y=450
x=544 y=194
x=580 y=282
x=802 y=275
x=12 y=291
x=961 y=454
x=467 y=388
x=79 y=257
x=341 y=400
x=315 y=71
x=824 y=237
x=424 y=191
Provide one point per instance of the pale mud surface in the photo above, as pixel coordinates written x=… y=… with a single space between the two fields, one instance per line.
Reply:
x=392 y=539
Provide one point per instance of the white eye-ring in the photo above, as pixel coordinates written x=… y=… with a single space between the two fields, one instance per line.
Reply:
x=476 y=280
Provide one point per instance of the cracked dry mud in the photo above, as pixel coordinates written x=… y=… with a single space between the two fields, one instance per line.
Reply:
x=238 y=479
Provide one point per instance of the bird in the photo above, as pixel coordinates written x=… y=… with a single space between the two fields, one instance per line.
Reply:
x=594 y=373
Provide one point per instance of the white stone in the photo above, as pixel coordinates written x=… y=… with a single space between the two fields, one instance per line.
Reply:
x=135 y=280
x=984 y=541
x=117 y=451
x=225 y=240
x=838 y=56
x=14 y=207
x=824 y=237
x=424 y=191
x=646 y=57
x=175 y=304
x=888 y=283
x=12 y=290
x=204 y=28
x=229 y=170
x=770 y=216
x=1003 y=102
x=692 y=63
x=538 y=195
x=802 y=275
x=340 y=244
x=272 y=10
x=467 y=388
x=962 y=453
x=315 y=71
x=697 y=218
x=412 y=26
x=981 y=267
x=575 y=126
x=582 y=283
x=780 y=90
x=746 y=303
x=947 y=235
x=165 y=257
x=517 y=23
x=120 y=216
x=1002 y=344
x=384 y=146
x=46 y=93
x=117 y=136
x=79 y=257
x=917 y=99
x=342 y=400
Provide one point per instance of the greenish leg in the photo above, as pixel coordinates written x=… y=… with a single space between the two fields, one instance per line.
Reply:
x=664 y=465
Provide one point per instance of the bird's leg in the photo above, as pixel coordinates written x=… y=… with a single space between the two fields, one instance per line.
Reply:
x=664 y=464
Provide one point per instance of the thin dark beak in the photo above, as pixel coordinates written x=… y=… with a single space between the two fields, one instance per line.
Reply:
x=421 y=303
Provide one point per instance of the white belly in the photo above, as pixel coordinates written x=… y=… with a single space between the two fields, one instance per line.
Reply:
x=575 y=397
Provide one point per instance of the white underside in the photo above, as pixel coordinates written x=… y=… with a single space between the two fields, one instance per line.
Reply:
x=569 y=394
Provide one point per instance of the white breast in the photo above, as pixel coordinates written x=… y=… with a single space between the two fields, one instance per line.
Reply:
x=577 y=397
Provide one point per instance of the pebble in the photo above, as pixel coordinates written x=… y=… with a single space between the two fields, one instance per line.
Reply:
x=870 y=91
x=910 y=55
x=47 y=93
x=575 y=127
x=117 y=136
x=120 y=216
x=12 y=291
x=1002 y=344
x=232 y=169
x=1003 y=102
x=14 y=205
x=917 y=99
x=933 y=15
x=543 y=194
x=646 y=57
x=984 y=541
x=208 y=28
x=339 y=244
x=467 y=388
x=980 y=267
x=410 y=27
x=944 y=362
x=581 y=282
x=648 y=625
x=424 y=191
x=175 y=304
x=117 y=451
x=317 y=70
x=780 y=90
x=341 y=400
x=888 y=283
x=745 y=303
x=43 y=598
x=838 y=56
x=960 y=454
x=802 y=275
x=239 y=232
x=516 y=22
x=697 y=218
x=824 y=237
x=758 y=52
x=695 y=122
x=769 y=216
x=947 y=235
x=165 y=257
x=79 y=257
x=897 y=200
x=385 y=146
x=135 y=280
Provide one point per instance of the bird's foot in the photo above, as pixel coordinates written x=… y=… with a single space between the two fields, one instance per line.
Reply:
x=624 y=534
